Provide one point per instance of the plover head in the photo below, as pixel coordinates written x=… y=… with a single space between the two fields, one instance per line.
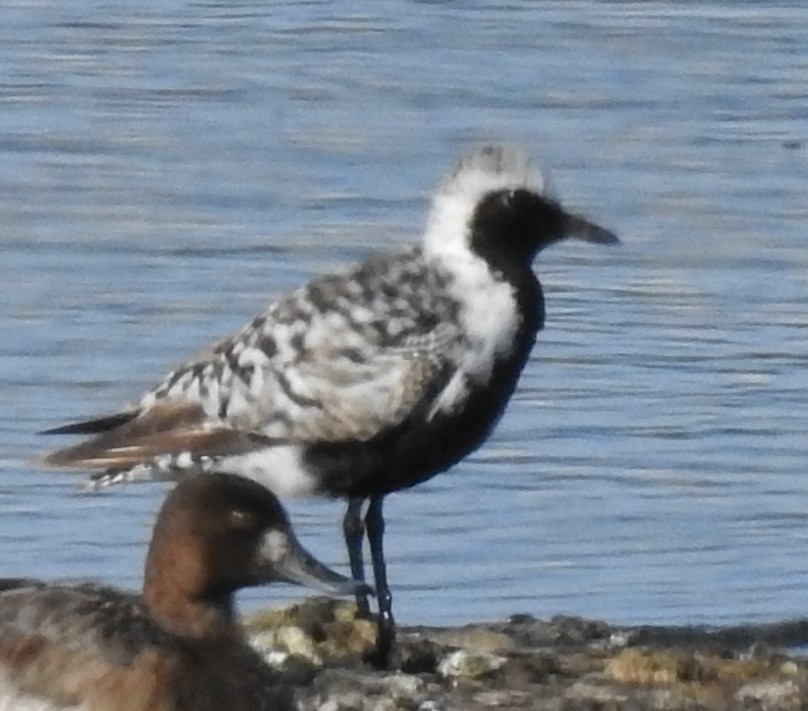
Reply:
x=498 y=204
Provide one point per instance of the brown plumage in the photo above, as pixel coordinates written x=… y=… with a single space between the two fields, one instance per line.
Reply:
x=176 y=647
x=166 y=429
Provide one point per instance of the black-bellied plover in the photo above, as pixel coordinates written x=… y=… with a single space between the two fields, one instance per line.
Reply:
x=368 y=380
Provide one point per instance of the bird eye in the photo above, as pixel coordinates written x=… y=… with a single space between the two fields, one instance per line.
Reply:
x=241 y=519
x=514 y=198
x=509 y=198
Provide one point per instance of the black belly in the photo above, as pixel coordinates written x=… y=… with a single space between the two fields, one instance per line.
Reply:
x=418 y=448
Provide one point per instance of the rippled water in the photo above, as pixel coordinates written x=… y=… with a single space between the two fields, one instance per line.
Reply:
x=166 y=166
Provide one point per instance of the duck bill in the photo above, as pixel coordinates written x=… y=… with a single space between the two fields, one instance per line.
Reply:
x=576 y=227
x=285 y=560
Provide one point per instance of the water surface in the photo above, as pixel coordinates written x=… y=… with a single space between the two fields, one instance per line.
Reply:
x=166 y=167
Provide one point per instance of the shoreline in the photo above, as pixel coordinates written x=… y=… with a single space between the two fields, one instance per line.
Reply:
x=528 y=663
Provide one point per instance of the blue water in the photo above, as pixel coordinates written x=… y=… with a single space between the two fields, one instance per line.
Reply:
x=166 y=167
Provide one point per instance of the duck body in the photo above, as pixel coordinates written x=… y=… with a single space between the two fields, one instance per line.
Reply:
x=177 y=646
x=95 y=648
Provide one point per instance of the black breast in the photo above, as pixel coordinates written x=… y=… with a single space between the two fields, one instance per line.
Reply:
x=419 y=448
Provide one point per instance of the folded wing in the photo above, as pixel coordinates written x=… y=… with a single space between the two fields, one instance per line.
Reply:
x=316 y=367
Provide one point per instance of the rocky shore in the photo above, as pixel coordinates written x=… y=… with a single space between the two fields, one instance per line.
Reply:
x=563 y=663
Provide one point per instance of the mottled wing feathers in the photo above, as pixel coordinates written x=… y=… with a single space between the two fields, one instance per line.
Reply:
x=84 y=615
x=344 y=358
x=168 y=428
x=62 y=643
x=345 y=398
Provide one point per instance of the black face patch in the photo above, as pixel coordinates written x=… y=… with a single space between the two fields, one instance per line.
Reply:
x=511 y=226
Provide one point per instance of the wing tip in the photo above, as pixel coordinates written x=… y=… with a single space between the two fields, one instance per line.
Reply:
x=95 y=426
x=60 y=458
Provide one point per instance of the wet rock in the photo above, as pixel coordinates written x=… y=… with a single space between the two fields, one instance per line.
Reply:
x=464 y=664
x=528 y=631
x=475 y=638
x=418 y=656
x=562 y=664
x=286 y=641
x=522 y=670
x=772 y=694
x=347 y=690
x=319 y=630
x=589 y=694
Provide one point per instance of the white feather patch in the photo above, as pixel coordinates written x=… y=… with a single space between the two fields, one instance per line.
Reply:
x=484 y=170
x=279 y=468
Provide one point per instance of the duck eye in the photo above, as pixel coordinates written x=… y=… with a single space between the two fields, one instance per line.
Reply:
x=239 y=518
x=509 y=198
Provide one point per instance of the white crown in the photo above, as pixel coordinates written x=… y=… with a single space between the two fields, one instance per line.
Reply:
x=483 y=170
